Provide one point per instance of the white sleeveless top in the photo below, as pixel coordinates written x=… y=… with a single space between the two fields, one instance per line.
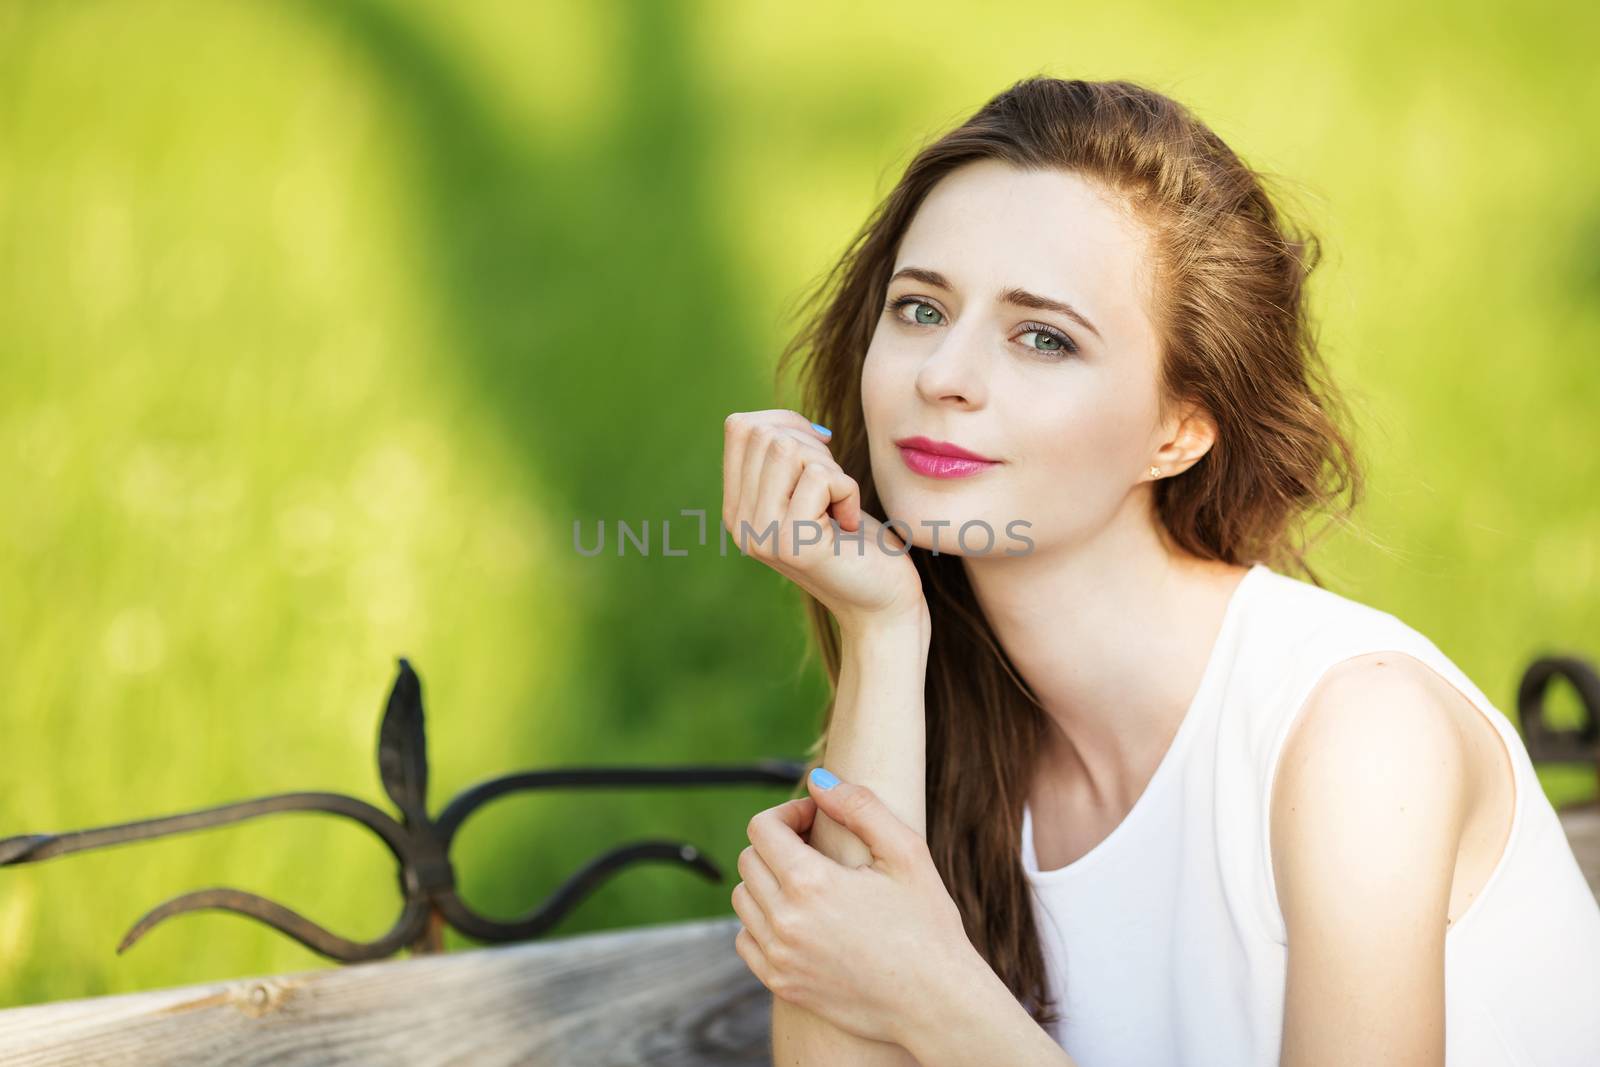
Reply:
x=1164 y=944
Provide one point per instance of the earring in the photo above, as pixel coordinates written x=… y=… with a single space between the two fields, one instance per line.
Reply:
x=1155 y=472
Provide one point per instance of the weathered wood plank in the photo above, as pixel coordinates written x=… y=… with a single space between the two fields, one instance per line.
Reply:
x=675 y=993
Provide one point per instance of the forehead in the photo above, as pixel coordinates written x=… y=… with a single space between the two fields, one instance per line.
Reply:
x=988 y=226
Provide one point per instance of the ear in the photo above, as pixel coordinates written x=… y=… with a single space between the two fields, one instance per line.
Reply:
x=1188 y=433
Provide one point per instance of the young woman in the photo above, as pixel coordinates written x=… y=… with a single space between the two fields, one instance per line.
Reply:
x=1113 y=788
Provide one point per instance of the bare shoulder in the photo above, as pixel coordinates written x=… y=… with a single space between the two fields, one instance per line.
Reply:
x=1384 y=706
x=1372 y=785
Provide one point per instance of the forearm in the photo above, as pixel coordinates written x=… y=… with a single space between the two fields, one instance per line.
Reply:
x=975 y=1019
x=801 y=1038
x=876 y=737
x=877 y=734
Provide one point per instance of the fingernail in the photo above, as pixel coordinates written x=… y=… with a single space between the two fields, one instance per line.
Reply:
x=824 y=778
x=822 y=429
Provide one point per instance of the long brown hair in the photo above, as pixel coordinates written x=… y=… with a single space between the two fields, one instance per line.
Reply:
x=1230 y=310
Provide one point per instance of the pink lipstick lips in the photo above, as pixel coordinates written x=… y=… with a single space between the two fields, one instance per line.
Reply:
x=941 y=459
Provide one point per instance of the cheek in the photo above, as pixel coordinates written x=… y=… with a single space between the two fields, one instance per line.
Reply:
x=1086 y=453
x=876 y=389
x=1096 y=434
x=881 y=397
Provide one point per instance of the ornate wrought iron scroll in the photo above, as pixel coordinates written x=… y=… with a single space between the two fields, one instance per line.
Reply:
x=1546 y=745
x=419 y=842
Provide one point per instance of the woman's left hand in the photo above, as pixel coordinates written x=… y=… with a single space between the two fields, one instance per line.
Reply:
x=871 y=949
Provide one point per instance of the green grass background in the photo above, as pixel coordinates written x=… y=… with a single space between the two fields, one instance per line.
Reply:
x=320 y=323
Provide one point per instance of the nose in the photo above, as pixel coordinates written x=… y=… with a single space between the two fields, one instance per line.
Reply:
x=954 y=372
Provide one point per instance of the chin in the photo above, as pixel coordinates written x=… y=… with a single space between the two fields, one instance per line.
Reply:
x=921 y=509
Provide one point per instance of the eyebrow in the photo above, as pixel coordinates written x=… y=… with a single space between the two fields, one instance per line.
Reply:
x=1014 y=296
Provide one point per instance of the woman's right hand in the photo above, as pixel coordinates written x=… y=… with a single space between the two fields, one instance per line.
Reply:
x=776 y=469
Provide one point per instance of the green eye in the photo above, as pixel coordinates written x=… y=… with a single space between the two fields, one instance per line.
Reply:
x=1054 y=342
x=922 y=306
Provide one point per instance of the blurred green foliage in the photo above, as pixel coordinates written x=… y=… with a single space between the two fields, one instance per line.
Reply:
x=321 y=322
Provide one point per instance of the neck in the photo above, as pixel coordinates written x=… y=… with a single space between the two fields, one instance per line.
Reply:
x=1112 y=635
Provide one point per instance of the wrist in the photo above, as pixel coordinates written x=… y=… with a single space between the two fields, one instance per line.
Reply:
x=966 y=1017
x=901 y=626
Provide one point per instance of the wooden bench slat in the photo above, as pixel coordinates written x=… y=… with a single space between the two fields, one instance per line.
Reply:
x=675 y=993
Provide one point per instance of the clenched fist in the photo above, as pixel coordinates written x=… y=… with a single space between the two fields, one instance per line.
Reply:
x=782 y=493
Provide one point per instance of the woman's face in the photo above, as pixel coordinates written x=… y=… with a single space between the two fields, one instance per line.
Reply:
x=1066 y=403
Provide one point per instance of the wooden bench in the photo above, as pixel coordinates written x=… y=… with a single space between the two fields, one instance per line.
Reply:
x=671 y=994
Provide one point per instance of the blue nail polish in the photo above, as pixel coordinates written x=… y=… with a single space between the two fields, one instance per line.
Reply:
x=823 y=777
x=822 y=429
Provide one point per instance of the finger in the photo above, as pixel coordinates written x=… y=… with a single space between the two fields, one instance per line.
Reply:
x=750 y=912
x=779 y=476
x=744 y=943
x=787 y=417
x=810 y=447
x=824 y=487
x=755 y=460
x=775 y=833
x=736 y=429
x=860 y=810
x=771 y=468
x=746 y=436
x=808 y=510
x=786 y=459
x=760 y=883
x=798 y=813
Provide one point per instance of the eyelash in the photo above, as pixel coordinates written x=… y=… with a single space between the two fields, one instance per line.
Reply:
x=1069 y=346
